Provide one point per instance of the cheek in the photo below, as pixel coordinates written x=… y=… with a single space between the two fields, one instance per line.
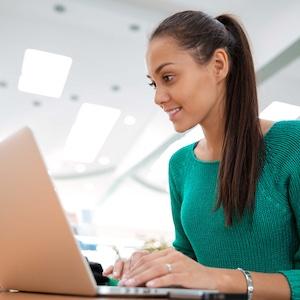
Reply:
x=203 y=95
x=207 y=85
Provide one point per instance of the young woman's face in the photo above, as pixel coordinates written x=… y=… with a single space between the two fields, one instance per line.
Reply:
x=186 y=90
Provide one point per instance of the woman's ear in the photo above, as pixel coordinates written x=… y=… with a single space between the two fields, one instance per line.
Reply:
x=220 y=64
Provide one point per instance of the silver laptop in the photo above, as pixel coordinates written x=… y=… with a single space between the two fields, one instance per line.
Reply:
x=38 y=250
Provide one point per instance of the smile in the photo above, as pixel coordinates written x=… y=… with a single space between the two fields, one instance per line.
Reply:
x=173 y=112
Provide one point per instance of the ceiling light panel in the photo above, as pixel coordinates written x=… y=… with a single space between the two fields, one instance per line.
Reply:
x=89 y=132
x=104 y=160
x=129 y=120
x=44 y=73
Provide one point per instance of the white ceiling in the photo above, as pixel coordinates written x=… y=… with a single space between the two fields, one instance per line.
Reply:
x=106 y=53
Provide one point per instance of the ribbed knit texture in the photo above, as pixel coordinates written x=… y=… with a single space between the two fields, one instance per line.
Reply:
x=268 y=242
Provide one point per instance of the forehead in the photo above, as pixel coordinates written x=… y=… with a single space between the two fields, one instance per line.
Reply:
x=163 y=50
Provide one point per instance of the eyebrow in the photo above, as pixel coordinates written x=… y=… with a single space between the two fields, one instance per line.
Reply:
x=158 y=69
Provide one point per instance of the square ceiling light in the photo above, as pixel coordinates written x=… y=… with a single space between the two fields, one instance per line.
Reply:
x=89 y=132
x=44 y=73
x=277 y=111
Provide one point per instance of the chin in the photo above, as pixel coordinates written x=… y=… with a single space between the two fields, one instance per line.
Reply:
x=182 y=129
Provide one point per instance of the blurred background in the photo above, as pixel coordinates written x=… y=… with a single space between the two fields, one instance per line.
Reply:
x=74 y=72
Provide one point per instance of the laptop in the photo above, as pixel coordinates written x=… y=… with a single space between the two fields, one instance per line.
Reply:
x=38 y=250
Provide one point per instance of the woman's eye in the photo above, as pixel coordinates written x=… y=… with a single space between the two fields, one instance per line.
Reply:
x=168 y=78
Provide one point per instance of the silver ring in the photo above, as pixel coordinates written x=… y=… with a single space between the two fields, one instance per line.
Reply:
x=169 y=268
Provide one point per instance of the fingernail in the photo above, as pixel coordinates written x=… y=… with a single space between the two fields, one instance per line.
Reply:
x=116 y=273
x=121 y=282
x=150 y=283
x=129 y=282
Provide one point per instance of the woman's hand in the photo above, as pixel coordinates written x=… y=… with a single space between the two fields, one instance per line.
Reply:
x=123 y=266
x=170 y=268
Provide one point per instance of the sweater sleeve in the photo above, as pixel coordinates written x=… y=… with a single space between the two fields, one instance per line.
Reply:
x=181 y=242
x=293 y=276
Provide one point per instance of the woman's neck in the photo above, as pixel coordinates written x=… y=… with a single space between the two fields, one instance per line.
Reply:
x=210 y=148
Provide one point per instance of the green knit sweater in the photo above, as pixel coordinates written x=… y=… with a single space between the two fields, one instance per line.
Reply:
x=271 y=242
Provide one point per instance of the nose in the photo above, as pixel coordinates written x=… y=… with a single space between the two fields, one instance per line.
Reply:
x=161 y=97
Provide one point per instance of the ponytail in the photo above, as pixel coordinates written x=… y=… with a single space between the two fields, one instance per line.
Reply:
x=243 y=149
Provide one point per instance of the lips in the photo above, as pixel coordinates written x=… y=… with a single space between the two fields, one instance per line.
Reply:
x=172 y=112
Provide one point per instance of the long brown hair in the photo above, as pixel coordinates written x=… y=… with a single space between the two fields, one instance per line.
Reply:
x=243 y=149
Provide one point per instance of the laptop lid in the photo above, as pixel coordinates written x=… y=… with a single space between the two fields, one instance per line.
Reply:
x=38 y=249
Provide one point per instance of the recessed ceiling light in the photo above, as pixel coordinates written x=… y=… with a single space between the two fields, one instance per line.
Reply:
x=3 y=84
x=36 y=103
x=277 y=111
x=80 y=168
x=60 y=8
x=74 y=97
x=89 y=132
x=129 y=120
x=104 y=160
x=115 y=87
x=134 y=27
x=44 y=73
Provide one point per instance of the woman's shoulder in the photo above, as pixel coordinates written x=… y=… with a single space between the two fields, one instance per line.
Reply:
x=180 y=156
x=282 y=140
x=283 y=131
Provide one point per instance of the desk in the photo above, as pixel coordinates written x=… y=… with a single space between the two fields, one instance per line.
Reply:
x=37 y=296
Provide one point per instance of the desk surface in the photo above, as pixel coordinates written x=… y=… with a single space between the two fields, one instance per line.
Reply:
x=37 y=296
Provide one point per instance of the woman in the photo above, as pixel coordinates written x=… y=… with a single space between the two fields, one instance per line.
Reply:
x=235 y=194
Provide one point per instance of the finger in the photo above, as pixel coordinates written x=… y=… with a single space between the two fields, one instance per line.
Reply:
x=126 y=268
x=137 y=256
x=146 y=262
x=146 y=266
x=128 y=264
x=173 y=279
x=118 y=269
x=151 y=257
x=108 y=271
x=151 y=272
x=145 y=276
